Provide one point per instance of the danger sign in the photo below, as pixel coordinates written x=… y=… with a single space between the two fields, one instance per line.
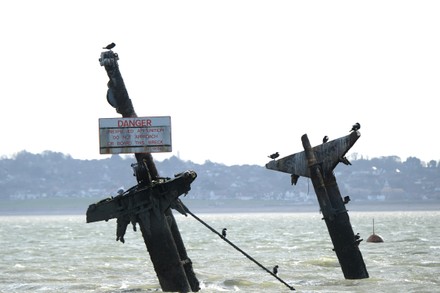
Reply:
x=135 y=135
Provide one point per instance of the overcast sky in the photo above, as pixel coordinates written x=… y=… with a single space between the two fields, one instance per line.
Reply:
x=240 y=79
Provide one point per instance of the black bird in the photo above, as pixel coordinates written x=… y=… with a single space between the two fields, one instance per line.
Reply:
x=293 y=179
x=274 y=156
x=275 y=270
x=344 y=160
x=110 y=46
x=224 y=232
x=357 y=239
x=356 y=127
x=325 y=139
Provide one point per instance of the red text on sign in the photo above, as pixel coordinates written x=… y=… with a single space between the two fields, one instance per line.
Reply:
x=134 y=123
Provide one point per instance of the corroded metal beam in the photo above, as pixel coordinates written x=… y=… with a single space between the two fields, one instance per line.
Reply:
x=148 y=203
x=328 y=155
x=156 y=198
x=318 y=163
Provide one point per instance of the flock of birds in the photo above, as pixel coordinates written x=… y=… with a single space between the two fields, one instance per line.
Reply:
x=355 y=127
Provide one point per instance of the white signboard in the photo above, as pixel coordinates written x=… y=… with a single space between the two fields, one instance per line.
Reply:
x=135 y=135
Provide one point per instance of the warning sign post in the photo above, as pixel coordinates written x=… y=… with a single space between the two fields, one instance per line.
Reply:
x=135 y=135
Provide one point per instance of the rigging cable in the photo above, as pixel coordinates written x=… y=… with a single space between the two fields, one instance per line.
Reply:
x=236 y=247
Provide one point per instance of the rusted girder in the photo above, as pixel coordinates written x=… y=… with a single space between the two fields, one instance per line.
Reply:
x=154 y=198
x=318 y=163
x=148 y=203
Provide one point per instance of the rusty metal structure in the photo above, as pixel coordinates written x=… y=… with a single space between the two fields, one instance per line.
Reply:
x=149 y=203
x=317 y=163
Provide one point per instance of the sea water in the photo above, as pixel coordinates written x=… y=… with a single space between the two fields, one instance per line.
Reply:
x=66 y=254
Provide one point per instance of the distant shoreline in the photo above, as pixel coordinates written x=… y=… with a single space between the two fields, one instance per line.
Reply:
x=226 y=206
x=78 y=206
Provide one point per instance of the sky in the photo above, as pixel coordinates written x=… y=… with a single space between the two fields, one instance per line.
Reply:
x=239 y=79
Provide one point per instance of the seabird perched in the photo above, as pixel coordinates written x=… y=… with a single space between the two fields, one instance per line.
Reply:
x=356 y=127
x=325 y=139
x=109 y=46
x=275 y=270
x=357 y=239
x=224 y=232
x=293 y=179
x=344 y=160
x=274 y=156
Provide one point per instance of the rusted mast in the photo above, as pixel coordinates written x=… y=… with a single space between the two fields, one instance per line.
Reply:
x=346 y=246
x=117 y=97
x=318 y=164
x=159 y=229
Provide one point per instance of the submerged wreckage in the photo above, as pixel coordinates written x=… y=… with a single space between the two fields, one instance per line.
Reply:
x=318 y=163
x=149 y=203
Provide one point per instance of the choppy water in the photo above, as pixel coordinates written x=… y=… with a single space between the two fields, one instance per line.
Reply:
x=64 y=254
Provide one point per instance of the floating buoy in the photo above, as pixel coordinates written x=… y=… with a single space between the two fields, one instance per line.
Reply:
x=374 y=237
